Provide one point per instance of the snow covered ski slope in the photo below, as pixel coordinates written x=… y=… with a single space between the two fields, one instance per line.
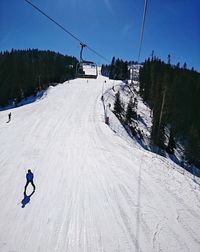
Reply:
x=94 y=191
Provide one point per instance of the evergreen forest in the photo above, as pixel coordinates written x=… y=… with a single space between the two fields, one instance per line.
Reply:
x=24 y=72
x=117 y=70
x=173 y=94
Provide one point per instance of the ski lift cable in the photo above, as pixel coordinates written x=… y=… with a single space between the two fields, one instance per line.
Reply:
x=142 y=27
x=67 y=31
x=142 y=156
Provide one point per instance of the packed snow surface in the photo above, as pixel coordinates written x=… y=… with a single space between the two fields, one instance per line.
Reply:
x=94 y=190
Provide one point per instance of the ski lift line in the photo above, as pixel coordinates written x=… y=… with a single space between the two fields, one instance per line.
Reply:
x=65 y=30
x=142 y=27
x=92 y=50
x=34 y=6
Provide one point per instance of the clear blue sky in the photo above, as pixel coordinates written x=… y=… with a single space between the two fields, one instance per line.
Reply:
x=111 y=27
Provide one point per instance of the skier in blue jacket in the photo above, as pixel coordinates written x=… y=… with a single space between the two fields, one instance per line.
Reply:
x=29 y=178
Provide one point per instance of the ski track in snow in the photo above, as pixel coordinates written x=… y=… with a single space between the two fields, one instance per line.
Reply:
x=94 y=192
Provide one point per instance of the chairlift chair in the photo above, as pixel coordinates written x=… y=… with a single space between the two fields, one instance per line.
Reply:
x=86 y=69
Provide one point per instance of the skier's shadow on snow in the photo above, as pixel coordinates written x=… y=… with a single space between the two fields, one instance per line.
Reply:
x=26 y=199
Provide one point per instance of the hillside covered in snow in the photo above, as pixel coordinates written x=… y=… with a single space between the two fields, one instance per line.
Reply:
x=96 y=188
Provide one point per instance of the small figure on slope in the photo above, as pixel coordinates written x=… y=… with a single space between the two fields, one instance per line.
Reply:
x=9 y=117
x=29 y=178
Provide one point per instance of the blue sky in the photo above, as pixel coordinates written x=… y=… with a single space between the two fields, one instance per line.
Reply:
x=111 y=27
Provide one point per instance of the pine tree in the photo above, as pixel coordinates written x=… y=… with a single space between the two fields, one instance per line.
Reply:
x=118 y=106
x=171 y=144
x=192 y=148
x=112 y=69
x=131 y=116
x=178 y=65
x=169 y=59
x=129 y=112
x=185 y=65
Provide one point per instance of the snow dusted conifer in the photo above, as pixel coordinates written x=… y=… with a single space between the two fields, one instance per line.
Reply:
x=131 y=113
x=118 y=106
x=171 y=144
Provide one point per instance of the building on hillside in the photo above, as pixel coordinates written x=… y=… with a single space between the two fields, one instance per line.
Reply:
x=134 y=72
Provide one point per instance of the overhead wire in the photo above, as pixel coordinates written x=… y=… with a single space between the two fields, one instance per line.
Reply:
x=138 y=214
x=142 y=28
x=66 y=30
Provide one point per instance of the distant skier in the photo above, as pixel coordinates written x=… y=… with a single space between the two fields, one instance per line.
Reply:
x=9 y=117
x=29 y=178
